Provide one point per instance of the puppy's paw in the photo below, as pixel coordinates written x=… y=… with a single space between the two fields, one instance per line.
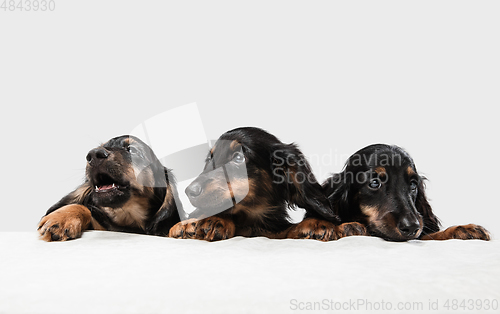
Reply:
x=215 y=228
x=350 y=229
x=184 y=229
x=312 y=228
x=466 y=232
x=66 y=223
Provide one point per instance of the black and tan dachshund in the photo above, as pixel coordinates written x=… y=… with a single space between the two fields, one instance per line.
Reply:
x=126 y=189
x=381 y=189
x=249 y=180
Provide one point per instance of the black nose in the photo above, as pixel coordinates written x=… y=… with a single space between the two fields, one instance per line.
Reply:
x=194 y=190
x=408 y=228
x=97 y=154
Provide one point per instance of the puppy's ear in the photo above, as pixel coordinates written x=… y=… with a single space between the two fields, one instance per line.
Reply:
x=81 y=195
x=336 y=189
x=431 y=222
x=298 y=185
x=167 y=215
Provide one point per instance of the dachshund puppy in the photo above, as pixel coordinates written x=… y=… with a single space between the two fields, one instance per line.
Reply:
x=126 y=189
x=381 y=189
x=249 y=180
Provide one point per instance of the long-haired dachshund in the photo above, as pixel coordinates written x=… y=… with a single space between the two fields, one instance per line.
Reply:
x=249 y=180
x=381 y=188
x=126 y=189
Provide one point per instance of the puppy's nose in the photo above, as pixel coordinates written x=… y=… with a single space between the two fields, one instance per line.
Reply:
x=97 y=154
x=194 y=190
x=408 y=228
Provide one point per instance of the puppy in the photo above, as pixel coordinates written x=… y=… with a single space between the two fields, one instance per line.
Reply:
x=249 y=180
x=381 y=189
x=126 y=189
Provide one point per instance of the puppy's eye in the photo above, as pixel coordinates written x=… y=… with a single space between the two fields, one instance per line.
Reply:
x=133 y=150
x=375 y=184
x=413 y=186
x=238 y=158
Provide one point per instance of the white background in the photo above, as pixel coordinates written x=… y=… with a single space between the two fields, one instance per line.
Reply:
x=331 y=76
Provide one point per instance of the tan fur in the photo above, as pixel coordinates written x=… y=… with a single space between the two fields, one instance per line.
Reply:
x=312 y=228
x=380 y=222
x=384 y=222
x=184 y=230
x=133 y=213
x=255 y=209
x=465 y=232
x=350 y=229
x=211 y=229
x=234 y=144
x=68 y=222
x=128 y=141
x=215 y=228
x=380 y=170
x=240 y=187
x=371 y=212
x=80 y=193
x=410 y=171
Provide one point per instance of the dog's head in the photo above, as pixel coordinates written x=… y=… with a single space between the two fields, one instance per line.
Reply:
x=121 y=169
x=126 y=188
x=381 y=187
x=250 y=171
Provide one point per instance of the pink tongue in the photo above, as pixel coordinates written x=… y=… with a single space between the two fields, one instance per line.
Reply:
x=105 y=187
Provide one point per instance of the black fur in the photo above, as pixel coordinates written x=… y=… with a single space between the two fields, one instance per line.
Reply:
x=397 y=209
x=123 y=153
x=279 y=178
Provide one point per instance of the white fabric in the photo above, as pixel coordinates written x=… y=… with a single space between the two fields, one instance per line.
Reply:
x=110 y=272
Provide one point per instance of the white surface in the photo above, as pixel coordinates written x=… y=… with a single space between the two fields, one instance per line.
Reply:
x=107 y=272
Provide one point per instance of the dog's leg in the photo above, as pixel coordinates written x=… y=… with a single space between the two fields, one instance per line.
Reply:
x=184 y=229
x=215 y=228
x=466 y=232
x=312 y=228
x=350 y=229
x=66 y=223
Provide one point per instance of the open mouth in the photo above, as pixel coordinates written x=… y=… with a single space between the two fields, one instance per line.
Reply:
x=106 y=188
x=104 y=183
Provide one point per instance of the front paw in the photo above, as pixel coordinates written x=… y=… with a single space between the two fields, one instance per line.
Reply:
x=312 y=228
x=184 y=229
x=66 y=223
x=215 y=228
x=466 y=232
x=350 y=229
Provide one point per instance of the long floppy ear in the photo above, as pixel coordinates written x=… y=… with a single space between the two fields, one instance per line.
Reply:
x=336 y=189
x=167 y=215
x=81 y=196
x=292 y=171
x=431 y=222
